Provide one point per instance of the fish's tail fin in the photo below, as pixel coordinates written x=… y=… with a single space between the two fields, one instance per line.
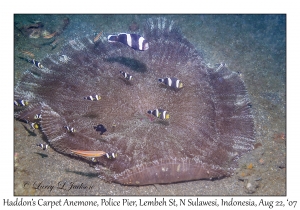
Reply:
x=112 y=38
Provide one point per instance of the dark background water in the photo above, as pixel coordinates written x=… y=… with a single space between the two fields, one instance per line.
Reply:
x=254 y=45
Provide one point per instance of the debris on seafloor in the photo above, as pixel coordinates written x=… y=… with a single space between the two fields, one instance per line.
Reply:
x=49 y=36
x=97 y=37
x=33 y=31
x=279 y=137
x=251 y=183
x=27 y=53
x=250 y=166
x=40 y=32
x=261 y=161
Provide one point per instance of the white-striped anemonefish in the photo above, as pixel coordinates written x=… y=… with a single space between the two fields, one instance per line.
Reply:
x=126 y=75
x=19 y=102
x=171 y=82
x=34 y=125
x=93 y=97
x=36 y=63
x=111 y=155
x=159 y=113
x=70 y=129
x=37 y=117
x=42 y=146
x=134 y=41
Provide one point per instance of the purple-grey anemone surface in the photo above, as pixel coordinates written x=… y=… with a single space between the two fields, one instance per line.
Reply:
x=207 y=125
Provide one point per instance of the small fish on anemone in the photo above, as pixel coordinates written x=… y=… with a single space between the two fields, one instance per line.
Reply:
x=211 y=124
x=160 y=113
x=134 y=41
x=43 y=146
x=19 y=102
x=36 y=63
x=93 y=97
x=111 y=155
x=34 y=125
x=171 y=82
x=126 y=75
x=37 y=116
x=70 y=129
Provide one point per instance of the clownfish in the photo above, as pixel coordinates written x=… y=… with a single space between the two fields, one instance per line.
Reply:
x=111 y=155
x=134 y=41
x=19 y=102
x=159 y=113
x=70 y=129
x=34 y=125
x=171 y=82
x=93 y=98
x=36 y=63
x=42 y=146
x=126 y=76
x=37 y=117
